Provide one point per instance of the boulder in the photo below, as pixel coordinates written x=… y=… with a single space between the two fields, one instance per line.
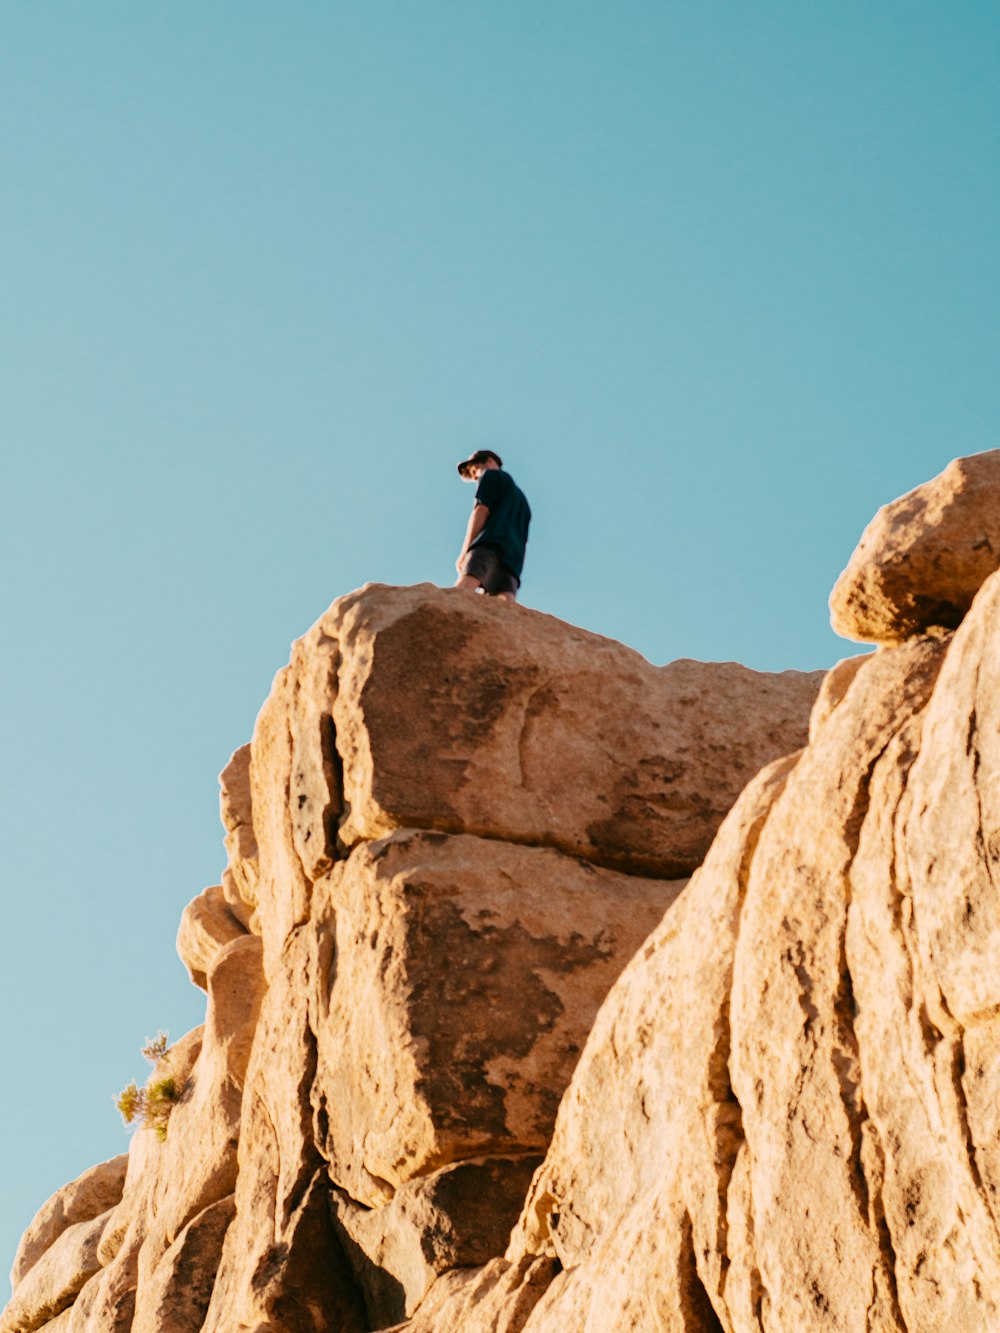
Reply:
x=457 y=979
x=526 y=729
x=281 y=1261
x=174 y=1295
x=207 y=926
x=438 y=995
x=52 y=1283
x=82 y=1199
x=458 y=1217
x=241 y=876
x=923 y=558
x=426 y=708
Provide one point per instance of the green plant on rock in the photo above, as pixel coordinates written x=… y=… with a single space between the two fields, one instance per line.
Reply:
x=156 y=1047
x=152 y=1104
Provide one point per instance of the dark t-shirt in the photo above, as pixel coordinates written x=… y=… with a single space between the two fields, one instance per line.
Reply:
x=506 y=528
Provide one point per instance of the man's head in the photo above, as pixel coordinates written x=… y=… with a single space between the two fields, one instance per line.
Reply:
x=473 y=467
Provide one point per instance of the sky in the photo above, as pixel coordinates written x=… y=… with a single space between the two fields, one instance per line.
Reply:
x=716 y=279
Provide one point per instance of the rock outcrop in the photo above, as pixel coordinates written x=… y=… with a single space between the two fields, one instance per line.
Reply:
x=785 y=1117
x=549 y=990
x=452 y=830
x=923 y=558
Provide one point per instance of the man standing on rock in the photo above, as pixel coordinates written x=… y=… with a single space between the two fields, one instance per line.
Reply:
x=492 y=554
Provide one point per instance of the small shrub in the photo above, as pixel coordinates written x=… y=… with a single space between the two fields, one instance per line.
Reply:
x=156 y=1047
x=131 y=1102
x=160 y=1098
x=151 y=1105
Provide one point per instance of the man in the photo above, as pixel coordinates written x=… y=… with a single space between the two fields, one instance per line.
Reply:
x=492 y=554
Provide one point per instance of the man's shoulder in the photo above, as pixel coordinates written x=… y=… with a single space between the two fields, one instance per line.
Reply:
x=492 y=483
x=513 y=487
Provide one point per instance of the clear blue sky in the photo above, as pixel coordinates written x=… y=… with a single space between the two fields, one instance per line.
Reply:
x=717 y=279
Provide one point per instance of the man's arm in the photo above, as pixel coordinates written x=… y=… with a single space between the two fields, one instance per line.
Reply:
x=477 y=521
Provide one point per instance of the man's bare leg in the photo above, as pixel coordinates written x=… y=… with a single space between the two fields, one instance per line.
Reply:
x=468 y=584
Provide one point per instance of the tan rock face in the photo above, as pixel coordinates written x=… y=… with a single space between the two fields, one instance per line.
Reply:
x=453 y=828
x=152 y=1256
x=61 y=1324
x=785 y=1116
x=282 y=1268
x=55 y=1279
x=534 y=732
x=241 y=877
x=468 y=973
x=426 y=708
x=81 y=1200
x=458 y=1217
x=923 y=558
x=207 y=926
x=651 y=1103
x=176 y=1293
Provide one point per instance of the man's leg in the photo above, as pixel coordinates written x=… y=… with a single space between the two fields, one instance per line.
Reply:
x=468 y=584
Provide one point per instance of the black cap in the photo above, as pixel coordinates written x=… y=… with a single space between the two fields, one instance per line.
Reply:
x=480 y=456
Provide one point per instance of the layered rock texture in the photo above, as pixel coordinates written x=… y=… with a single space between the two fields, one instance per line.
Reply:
x=549 y=990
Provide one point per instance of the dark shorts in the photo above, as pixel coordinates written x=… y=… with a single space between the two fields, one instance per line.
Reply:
x=484 y=563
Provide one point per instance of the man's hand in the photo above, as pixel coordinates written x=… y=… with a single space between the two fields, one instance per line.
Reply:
x=460 y=561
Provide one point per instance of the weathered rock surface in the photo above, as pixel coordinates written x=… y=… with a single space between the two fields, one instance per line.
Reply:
x=81 y=1200
x=454 y=827
x=176 y=1292
x=55 y=1279
x=534 y=732
x=156 y=1252
x=282 y=1268
x=923 y=558
x=458 y=1217
x=786 y=1117
x=207 y=926
x=468 y=974
x=241 y=876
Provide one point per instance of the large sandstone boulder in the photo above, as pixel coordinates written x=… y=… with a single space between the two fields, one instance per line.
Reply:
x=466 y=974
x=427 y=1016
x=56 y=1278
x=428 y=708
x=81 y=1200
x=529 y=730
x=923 y=558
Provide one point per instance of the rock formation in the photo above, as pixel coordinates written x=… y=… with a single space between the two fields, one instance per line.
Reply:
x=923 y=558
x=549 y=990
